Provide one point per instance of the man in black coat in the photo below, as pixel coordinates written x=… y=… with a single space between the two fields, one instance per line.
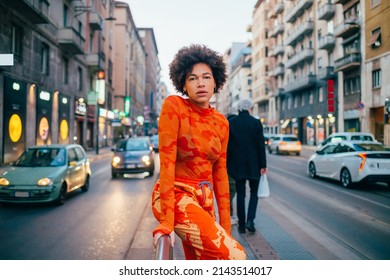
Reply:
x=246 y=160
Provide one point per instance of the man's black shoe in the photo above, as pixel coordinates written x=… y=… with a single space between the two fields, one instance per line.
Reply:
x=241 y=229
x=250 y=226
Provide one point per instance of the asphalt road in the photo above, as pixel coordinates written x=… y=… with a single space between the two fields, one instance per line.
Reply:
x=329 y=222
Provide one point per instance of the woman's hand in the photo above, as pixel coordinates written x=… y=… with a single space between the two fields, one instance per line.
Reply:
x=157 y=236
x=263 y=171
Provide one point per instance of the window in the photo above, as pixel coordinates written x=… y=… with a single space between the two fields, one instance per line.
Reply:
x=66 y=71
x=375 y=3
x=296 y=99
x=17 y=45
x=44 y=59
x=65 y=15
x=80 y=78
x=266 y=51
x=376 y=38
x=311 y=97
x=303 y=100
x=289 y=101
x=376 y=78
x=321 y=94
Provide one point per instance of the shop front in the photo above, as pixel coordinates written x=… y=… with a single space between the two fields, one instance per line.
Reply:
x=44 y=117
x=14 y=119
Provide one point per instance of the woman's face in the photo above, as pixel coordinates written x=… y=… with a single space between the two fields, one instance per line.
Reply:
x=200 y=85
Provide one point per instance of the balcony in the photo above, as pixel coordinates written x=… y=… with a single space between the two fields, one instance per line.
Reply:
x=348 y=62
x=326 y=73
x=278 y=71
x=71 y=40
x=300 y=58
x=94 y=61
x=347 y=28
x=301 y=83
x=327 y=42
x=326 y=12
x=278 y=29
x=306 y=28
x=95 y=21
x=278 y=91
x=279 y=49
x=37 y=11
x=279 y=8
x=292 y=15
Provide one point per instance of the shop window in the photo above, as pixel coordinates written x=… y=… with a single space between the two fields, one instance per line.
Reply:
x=376 y=78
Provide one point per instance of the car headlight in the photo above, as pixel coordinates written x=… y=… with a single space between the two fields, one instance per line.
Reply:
x=115 y=161
x=44 y=182
x=4 y=182
x=146 y=160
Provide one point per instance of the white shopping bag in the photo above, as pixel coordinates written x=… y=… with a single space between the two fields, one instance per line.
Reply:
x=263 y=190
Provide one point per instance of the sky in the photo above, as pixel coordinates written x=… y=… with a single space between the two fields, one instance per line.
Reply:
x=178 y=23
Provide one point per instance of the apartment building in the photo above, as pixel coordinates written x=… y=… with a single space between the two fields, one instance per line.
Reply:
x=263 y=97
x=63 y=84
x=153 y=69
x=376 y=90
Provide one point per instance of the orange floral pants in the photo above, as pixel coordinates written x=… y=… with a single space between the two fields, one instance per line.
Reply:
x=202 y=236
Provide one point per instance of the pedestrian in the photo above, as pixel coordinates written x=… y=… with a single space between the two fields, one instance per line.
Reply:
x=232 y=186
x=193 y=139
x=246 y=161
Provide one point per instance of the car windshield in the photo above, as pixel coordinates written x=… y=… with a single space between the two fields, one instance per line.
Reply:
x=133 y=145
x=42 y=157
x=370 y=147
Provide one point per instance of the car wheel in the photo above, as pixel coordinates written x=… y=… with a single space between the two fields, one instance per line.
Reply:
x=277 y=151
x=85 y=187
x=297 y=153
x=345 y=178
x=269 y=150
x=60 y=200
x=312 y=170
x=114 y=175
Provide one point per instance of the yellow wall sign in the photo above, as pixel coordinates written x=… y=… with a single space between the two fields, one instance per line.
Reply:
x=64 y=129
x=15 y=128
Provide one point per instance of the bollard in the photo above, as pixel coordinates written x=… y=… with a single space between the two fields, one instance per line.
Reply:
x=164 y=248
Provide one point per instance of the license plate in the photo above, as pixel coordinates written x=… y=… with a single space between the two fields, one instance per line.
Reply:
x=22 y=194
x=130 y=165
x=384 y=165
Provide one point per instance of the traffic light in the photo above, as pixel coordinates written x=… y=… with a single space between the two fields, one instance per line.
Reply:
x=101 y=75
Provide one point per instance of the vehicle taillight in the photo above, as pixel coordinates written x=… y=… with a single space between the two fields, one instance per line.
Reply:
x=299 y=143
x=363 y=162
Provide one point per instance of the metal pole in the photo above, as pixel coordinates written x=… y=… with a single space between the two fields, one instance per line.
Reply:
x=164 y=248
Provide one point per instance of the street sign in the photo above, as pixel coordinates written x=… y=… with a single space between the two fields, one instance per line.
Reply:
x=6 y=59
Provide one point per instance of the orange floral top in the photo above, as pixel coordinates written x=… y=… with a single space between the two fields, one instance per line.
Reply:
x=192 y=145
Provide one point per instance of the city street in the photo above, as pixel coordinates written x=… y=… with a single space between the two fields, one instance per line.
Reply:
x=303 y=218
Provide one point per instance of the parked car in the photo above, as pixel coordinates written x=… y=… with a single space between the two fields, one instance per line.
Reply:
x=154 y=139
x=349 y=136
x=133 y=155
x=351 y=162
x=46 y=174
x=285 y=143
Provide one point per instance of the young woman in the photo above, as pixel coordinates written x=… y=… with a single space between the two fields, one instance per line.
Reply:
x=193 y=140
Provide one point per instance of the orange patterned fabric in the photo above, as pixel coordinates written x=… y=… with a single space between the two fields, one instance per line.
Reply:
x=192 y=146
